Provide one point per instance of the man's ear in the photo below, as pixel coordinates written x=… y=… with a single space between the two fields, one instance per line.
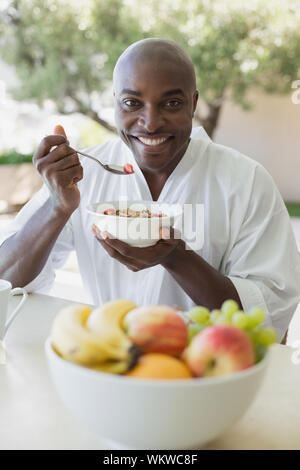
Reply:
x=195 y=100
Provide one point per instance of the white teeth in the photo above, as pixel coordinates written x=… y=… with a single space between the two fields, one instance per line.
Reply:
x=152 y=141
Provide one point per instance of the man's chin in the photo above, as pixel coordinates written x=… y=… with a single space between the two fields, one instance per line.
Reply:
x=153 y=162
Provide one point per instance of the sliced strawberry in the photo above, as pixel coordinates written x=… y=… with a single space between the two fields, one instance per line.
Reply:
x=109 y=211
x=128 y=168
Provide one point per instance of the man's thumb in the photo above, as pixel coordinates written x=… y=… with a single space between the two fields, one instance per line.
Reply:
x=165 y=233
x=59 y=130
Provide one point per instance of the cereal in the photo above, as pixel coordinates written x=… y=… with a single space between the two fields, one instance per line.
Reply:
x=145 y=213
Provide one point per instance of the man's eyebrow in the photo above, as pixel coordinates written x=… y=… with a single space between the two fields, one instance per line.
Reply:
x=175 y=91
x=126 y=91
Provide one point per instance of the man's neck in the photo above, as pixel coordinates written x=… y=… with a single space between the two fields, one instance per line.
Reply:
x=155 y=183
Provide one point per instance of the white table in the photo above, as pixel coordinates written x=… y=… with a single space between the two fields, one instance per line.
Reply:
x=33 y=417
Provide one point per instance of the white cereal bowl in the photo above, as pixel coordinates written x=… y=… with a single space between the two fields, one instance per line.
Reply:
x=136 y=231
x=133 y=413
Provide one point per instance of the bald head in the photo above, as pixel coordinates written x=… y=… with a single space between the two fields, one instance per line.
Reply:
x=155 y=51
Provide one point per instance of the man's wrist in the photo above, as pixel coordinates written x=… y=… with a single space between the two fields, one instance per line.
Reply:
x=174 y=259
x=57 y=211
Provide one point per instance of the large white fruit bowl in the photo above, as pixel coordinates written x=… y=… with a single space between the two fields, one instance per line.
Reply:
x=136 y=231
x=148 y=414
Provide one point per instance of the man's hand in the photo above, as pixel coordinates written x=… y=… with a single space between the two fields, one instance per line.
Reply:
x=136 y=258
x=61 y=170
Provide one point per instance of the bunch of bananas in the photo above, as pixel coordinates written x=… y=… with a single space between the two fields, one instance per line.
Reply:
x=95 y=338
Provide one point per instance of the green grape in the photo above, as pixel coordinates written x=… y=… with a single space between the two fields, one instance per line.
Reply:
x=199 y=315
x=229 y=307
x=222 y=320
x=240 y=319
x=214 y=314
x=265 y=336
x=227 y=316
x=193 y=330
x=260 y=352
x=255 y=317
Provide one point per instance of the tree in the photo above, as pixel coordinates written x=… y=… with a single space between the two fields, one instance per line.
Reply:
x=64 y=52
x=235 y=46
x=67 y=53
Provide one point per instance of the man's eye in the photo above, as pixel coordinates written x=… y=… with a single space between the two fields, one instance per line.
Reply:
x=173 y=103
x=130 y=103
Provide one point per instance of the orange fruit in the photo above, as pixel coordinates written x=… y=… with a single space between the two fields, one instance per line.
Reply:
x=160 y=366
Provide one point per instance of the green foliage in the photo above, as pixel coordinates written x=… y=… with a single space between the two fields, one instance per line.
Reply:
x=93 y=134
x=293 y=208
x=63 y=51
x=12 y=158
x=66 y=50
x=235 y=45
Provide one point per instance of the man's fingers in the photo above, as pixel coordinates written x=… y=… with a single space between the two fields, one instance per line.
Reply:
x=170 y=233
x=46 y=144
x=60 y=154
x=130 y=252
x=61 y=151
x=69 y=176
x=66 y=162
x=137 y=254
x=131 y=263
x=136 y=258
x=165 y=233
x=142 y=254
x=123 y=248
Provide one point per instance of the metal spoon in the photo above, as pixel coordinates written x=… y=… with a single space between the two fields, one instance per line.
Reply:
x=117 y=169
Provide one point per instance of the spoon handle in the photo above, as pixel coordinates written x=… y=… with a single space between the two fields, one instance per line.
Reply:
x=116 y=169
x=89 y=156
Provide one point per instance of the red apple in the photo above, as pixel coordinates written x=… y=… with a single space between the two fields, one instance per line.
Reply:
x=157 y=329
x=219 y=350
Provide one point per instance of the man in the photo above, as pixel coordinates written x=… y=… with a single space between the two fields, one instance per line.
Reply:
x=249 y=252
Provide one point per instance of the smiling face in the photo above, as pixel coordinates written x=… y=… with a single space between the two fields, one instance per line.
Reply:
x=155 y=100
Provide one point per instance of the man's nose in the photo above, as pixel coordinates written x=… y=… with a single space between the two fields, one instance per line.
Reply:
x=151 y=119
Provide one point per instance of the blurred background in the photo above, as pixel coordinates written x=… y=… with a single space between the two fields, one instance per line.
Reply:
x=56 y=64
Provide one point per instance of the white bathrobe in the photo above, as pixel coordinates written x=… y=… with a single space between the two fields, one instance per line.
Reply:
x=247 y=231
